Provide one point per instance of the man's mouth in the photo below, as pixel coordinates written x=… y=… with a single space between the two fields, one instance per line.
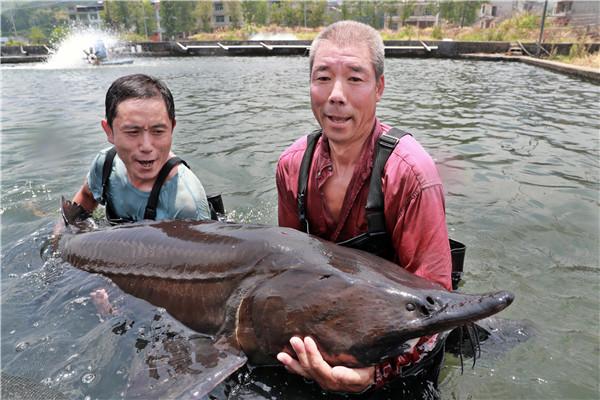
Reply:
x=338 y=119
x=146 y=163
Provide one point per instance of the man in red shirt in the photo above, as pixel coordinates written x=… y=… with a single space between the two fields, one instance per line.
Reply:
x=346 y=82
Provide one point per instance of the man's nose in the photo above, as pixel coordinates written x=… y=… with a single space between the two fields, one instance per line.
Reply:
x=146 y=142
x=337 y=92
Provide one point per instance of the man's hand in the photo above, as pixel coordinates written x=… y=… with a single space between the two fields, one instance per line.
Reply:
x=100 y=299
x=310 y=364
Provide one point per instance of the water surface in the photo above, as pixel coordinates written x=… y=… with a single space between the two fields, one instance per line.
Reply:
x=517 y=148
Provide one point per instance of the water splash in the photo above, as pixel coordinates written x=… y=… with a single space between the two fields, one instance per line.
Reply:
x=70 y=53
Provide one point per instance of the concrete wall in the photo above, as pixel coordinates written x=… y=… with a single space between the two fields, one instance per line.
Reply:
x=23 y=50
x=447 y=49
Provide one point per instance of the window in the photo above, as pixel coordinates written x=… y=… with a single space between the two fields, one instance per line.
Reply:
x=218 y=7
x=220 y=18
x=494 y=8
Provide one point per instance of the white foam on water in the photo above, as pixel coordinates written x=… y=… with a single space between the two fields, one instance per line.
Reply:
x=70 y=53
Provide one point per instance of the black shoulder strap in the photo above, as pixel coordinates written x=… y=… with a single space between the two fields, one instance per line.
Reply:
x=374 y=209
x=311 y=141
x=150 y=212
x=106 y=170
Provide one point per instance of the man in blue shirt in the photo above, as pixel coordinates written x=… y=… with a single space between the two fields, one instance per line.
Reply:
x=142 y=178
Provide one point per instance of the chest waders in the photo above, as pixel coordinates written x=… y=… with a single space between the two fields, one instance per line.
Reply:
x=215 y=202
x=376 y=240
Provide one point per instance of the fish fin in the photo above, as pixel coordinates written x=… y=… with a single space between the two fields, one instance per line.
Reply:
x=183 y=368
x=75 y=215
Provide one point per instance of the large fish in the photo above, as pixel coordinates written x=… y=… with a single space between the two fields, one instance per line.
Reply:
x=253 y=287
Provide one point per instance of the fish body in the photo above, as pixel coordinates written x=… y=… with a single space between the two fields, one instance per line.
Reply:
x=253 y=287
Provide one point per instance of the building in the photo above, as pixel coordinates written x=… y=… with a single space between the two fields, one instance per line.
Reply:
x=86 y=15
x=535 y=7
x=492 y=13
x=423 y=14
x=578 y=13
x=220 y=19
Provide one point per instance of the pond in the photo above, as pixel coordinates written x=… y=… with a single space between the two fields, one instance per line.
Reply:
x=517 y=148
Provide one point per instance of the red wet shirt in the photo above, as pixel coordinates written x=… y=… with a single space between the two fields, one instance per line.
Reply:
x=413 y=206
x=413 y=202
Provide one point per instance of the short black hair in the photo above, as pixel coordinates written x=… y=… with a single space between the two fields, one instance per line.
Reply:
x=137 y=86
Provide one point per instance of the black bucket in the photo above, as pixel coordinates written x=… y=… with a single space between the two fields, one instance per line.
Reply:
x=215 y=202
x=457 y=251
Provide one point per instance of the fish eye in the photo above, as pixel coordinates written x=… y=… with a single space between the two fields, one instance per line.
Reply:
x=410 y=307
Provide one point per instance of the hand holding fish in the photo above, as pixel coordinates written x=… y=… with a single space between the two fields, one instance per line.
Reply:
x=310 y=364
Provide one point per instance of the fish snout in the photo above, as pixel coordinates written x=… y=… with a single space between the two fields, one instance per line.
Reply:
x=504 y=298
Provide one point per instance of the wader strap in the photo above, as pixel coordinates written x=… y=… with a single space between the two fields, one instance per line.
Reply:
x=111 y=216
x=374 y=208
x=311 y=141
x=106 y=170
x=150 y=212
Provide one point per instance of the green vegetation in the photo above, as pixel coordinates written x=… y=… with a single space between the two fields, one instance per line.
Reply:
x=462 y=13
x=520 y=27
x=34 y=20
x=47 y=22
x=579 y=54
x=436 y=33
x=583 y=60
x=133 y=17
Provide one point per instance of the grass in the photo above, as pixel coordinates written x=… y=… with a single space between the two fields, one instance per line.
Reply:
x=580 y=56
x=523 y=27
x=247 y=32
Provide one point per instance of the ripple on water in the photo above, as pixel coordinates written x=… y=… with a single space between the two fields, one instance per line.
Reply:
x=519 y=163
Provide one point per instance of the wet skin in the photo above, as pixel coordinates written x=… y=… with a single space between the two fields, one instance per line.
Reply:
x=253 y=287
x=142 y=134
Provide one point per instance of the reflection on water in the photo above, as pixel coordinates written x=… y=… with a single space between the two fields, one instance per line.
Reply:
x=517 y=148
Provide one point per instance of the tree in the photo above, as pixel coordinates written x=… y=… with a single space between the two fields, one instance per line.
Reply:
x=390 y=9
x=316 y=13
x=203 y=15
x=368 y=12
x=142 y=13
x=185 y=16
x=18 y=18
x=36 y=36
x=234 y=9
x=177 y=17
x=116 y=14
x=130 y=16
x=406 y=10
x=287 y=14
x=58 y=34
x=255 y=12
x=460 y=12
x=168 y=18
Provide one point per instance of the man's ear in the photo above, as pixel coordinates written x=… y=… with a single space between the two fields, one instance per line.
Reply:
x=379 y=87
x=174 y=123
x=110 y=136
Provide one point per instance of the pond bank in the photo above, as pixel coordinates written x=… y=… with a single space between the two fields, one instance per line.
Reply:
x=489 y=51
x=569 y=69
